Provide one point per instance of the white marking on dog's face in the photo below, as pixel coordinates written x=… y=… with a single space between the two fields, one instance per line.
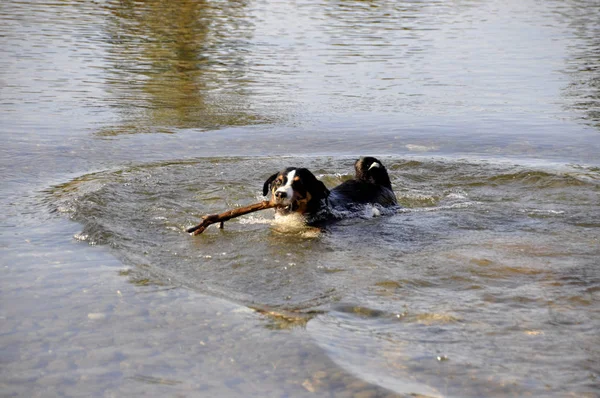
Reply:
x=375 y=164
x=287 y=189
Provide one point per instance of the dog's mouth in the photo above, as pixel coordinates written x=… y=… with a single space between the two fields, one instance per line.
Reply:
x=286 y=208
x=289 y=204
x=281 y=203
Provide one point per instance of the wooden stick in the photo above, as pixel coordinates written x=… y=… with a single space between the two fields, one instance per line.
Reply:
x=228 y=215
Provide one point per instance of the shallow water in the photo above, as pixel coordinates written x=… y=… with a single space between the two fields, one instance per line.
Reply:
x=133 y=119
x=482 y=256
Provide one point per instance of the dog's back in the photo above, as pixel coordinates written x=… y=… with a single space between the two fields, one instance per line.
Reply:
x=371 y=185
x=354 y=193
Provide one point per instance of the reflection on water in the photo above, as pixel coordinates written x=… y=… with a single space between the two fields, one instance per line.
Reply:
x=480 y=71
x=584 y=60
x=184 y=63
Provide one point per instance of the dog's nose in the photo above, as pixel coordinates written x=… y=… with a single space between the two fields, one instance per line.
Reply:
x=280 y=195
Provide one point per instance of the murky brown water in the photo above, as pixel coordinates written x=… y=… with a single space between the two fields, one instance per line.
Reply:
x=135 y=118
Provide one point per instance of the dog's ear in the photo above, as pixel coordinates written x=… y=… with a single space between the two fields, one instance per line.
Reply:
x=316 y=187
x=322 y=189
x=267 y=184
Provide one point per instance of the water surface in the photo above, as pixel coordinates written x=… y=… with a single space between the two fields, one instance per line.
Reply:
x=133 y=119
x=489 y=267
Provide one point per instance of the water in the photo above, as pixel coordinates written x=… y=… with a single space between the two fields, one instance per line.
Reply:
x=134 y=119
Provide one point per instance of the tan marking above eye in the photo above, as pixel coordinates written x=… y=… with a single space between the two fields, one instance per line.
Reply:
x=296 y=178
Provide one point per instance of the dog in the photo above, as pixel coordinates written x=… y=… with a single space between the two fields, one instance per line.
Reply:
x=297 y=190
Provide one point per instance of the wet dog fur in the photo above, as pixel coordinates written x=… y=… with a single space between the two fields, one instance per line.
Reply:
x=297 y=190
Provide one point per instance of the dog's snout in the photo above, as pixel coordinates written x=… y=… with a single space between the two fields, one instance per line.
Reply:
x=280 y=195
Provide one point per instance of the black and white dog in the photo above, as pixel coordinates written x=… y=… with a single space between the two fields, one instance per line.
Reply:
x=297 y=190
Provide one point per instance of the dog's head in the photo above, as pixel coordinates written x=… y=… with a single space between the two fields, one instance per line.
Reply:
x=296 y=190
x=371 y=170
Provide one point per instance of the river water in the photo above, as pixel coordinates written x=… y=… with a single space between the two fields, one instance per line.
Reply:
x=123 y=122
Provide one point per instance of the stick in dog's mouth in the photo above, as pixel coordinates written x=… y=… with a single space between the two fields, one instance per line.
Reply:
x=228 y=215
